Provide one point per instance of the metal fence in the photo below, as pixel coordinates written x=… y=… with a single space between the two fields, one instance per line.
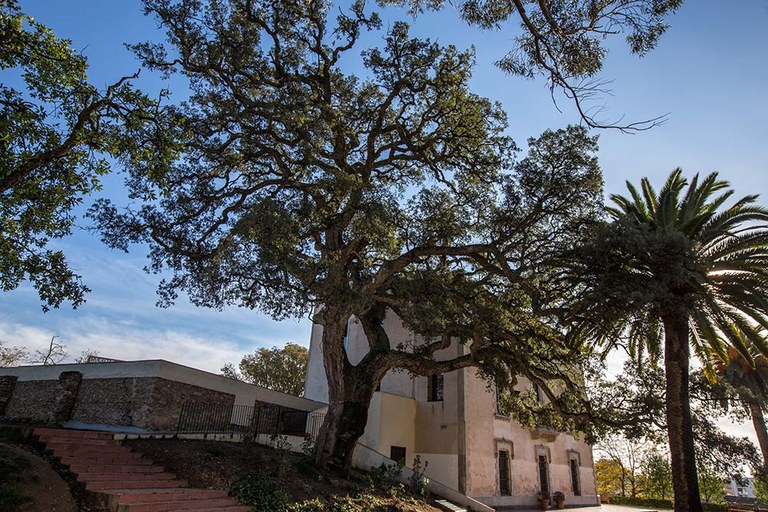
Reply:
x=214 y=418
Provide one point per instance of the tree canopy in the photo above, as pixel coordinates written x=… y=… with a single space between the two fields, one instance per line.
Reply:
x=566 y=42
x=55 y=129
x=284 y=185
x=281 y=369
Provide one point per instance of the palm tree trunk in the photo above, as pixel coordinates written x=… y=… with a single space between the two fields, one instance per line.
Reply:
x=679 y=425
x=758 y=421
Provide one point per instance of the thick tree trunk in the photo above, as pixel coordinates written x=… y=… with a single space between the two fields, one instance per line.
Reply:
x=758 y=421
x=679 y=425
x=344 y=424
x=349 y=396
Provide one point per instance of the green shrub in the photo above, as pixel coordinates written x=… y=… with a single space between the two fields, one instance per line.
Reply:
x=314 y=505
x=262 y=491
x=418 y=481
x=641 y=502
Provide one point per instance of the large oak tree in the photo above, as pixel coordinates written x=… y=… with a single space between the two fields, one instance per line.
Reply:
x=285 y=185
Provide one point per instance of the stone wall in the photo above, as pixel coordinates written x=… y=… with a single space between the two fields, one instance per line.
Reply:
x=33 y=401
x=120 y=401
x=167 y=397
x=146 y=402
x=7 y=385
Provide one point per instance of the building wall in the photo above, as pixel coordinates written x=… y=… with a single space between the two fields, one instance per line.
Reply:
x=244 y=393
x=460 y=436
x=391 y=422
x=487 y=433
x=143 y=394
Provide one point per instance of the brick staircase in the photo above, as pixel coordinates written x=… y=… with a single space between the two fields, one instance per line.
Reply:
x=123 y=480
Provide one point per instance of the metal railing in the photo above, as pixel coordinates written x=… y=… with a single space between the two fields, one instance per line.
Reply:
x=215 y=418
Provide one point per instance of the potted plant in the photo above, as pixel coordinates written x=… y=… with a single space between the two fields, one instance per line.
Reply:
x=559 y=498
x=543 y=500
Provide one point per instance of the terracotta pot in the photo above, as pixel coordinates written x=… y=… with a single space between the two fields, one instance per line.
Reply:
x=544 y=503
x=560 y=504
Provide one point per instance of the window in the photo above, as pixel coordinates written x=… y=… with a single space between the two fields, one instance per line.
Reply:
x=573 y=464
x=537 y=392
x=504 y=489
x=500 y=399
x=346 y=334
x=397 y=453
x=435 y=388
x=544 y=473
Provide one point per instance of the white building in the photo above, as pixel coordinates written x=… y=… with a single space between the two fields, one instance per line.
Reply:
x=450 y=421
x=743 y=489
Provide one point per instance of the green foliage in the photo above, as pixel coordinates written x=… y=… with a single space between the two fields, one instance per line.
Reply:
x=656 y=476
x=282 y=369
x=11 y=466
x=388 y=477
x=640 y=391
x=676 y=268
x=313 y=505
x=261 y=489
x=711 y=485
x=641 y=502
x=53 y=133
x=565 y=42
x=417 y=481
x=308 y=447
x=761 y=485
x=301 y=186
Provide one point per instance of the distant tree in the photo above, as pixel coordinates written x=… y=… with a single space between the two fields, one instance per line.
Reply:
x=86 y=354
x=711 y=484
x=761 y=485
x=12 y=356
x=565 y=41
x=611 y=477
x=54 y=354
x=53 y=130
x=626 y=455
x=283 y=184
x=656 y=476
x=675 y=270
x=281 y=369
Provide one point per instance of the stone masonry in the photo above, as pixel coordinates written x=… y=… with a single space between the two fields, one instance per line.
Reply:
x=7 y=384
x=69 y=384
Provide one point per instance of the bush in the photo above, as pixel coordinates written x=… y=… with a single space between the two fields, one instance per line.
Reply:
x=641 y=502
x=656 y=503
x=262 y=491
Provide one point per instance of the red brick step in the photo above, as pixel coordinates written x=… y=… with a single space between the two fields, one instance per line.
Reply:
x=126 y=482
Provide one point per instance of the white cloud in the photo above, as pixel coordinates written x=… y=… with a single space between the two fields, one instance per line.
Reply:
x=128 y=343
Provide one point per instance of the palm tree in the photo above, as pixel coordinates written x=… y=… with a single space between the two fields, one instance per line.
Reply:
x=675 y=270
x=748 y=377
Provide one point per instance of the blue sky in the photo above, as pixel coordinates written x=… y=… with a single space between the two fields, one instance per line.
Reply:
x=710 y=72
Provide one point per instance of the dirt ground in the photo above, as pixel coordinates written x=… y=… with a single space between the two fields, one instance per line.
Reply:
x=218 y=465
x=49 y=491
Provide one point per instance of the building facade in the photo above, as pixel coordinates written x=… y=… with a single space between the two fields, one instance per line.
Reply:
x=451 y=423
